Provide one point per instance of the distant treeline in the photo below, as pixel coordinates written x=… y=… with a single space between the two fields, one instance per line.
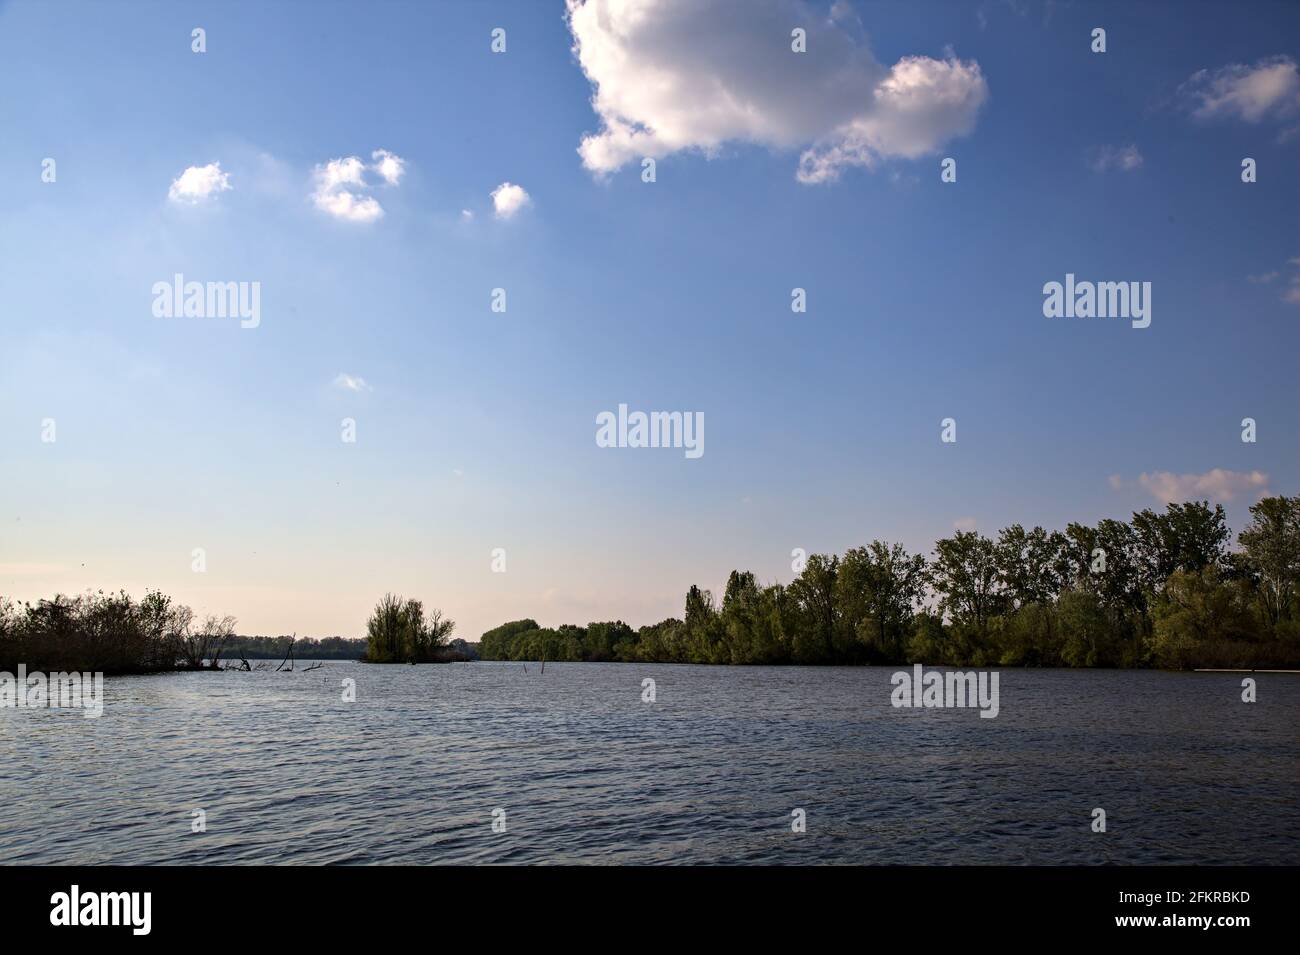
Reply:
x=304 y=648
x=1160 y=590
x=116 y=634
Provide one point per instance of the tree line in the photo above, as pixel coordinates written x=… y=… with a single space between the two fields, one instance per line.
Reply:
x=1162 y=589
x=110 y=633
x=305 y=648
x=117 y=634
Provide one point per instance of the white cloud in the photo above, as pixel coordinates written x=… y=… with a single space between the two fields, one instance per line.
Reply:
x=389 y=166
x=341 y=172
x=1217 y=485
x=340 y=185
x=508 y=199
x=346 y=205
x=919 y=105
x=1125 y=158
x=1291 y=294
x=672 y=75
x=199 y=183
x=466 y=215
x=351 y=382
x=965 y=524
x=1270 y=86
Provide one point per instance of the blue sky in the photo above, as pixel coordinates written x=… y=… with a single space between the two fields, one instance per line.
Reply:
x=475 y=430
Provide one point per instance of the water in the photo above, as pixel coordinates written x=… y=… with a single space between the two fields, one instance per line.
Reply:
x=709 y=773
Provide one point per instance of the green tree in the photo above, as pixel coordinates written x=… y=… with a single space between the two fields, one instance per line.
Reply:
x=1271 y=556
x=740 y=611
x=496 y=643
x=813 y=593
x=1186 y=537
x=611 y=640
x=1199 y=617
x=1030 y=564
x=399 y=632
x=703 y=628
x=878 y=588
x=964 y=573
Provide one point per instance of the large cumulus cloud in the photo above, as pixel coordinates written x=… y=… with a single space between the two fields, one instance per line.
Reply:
x=672 y=75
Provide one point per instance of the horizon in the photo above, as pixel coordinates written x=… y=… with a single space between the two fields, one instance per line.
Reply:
x=342 y=207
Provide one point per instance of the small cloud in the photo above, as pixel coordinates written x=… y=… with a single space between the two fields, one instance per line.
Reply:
x=1270 y=86
x=904 y=180
x=508 y=199
x=1292 y=294
x=1124 y=158
x=340 y=186
x=341 y=172
x=466 y=215
x=1217 y=485
x=458 y=472
x=965 y=524
x=389 y=166
x=1116 y=482
x=351 y=382
x=199 y=183
x=346 y=205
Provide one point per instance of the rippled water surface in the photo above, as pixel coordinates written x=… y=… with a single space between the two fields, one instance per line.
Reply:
x=709 y=773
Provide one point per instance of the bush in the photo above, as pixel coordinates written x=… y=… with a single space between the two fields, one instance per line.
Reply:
x=109 y=633
x=398 y=632
x=1202 y=618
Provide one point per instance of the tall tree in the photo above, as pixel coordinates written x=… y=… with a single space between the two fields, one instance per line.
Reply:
x=1186 y=537
x=1030 y=564
x=740 y=616
x=1271 y=555
x=964 y=572
x=878 y=588
x=703 y=627
x=814 y=593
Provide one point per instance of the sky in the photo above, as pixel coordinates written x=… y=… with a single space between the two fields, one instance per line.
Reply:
x=378 y=170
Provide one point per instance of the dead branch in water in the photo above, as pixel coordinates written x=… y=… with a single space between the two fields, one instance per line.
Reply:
x=314 y=666
x=288 y=657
